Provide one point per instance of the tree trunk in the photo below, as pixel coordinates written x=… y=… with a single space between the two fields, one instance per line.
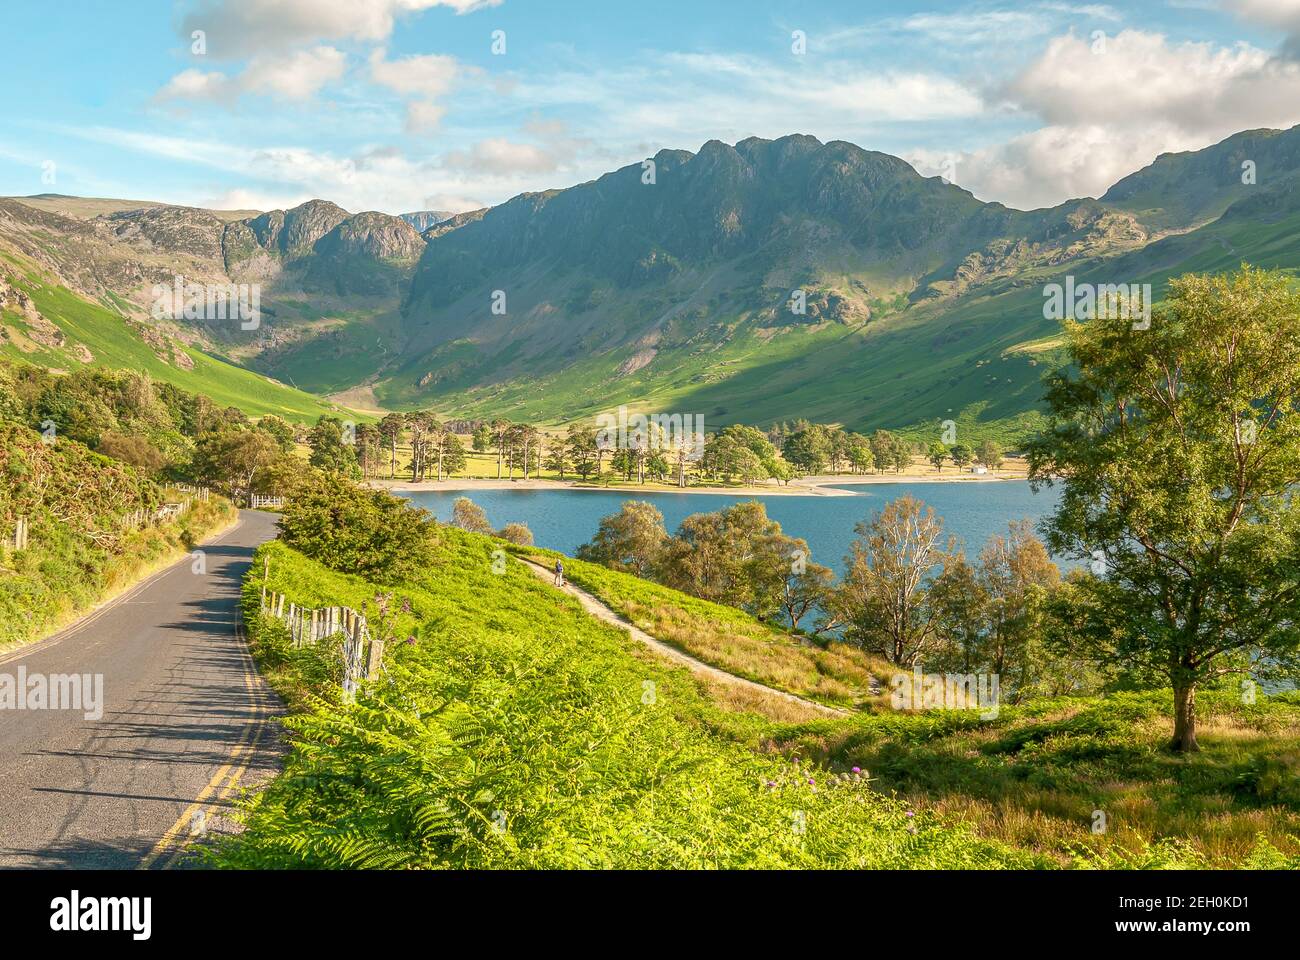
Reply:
x=1184 y=718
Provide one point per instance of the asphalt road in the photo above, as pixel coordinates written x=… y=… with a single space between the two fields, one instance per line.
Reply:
x=186 y=722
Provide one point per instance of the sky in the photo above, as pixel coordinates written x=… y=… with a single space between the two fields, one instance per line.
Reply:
x=404 y=105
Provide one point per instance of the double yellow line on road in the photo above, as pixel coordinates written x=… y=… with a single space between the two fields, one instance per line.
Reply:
x=174 y=842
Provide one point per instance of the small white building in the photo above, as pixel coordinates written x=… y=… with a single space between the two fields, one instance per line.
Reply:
x=979 y=470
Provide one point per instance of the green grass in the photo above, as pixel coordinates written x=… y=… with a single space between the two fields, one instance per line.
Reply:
x=838 y=674
x=1035 y=776
x=517 y=732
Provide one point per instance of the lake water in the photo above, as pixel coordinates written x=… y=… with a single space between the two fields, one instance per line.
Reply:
x=564 y=519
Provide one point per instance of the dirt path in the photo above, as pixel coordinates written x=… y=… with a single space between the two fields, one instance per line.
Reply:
x=600 y=611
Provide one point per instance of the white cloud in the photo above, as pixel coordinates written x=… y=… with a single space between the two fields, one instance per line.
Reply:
x=295 y=77
x=196 y=85
x=498 y=156
x=1283 y=14
x=423 y=117
x=241 y=199
x=1142 y=78
x=429 y=76
x=238 y=28
x=374 y=178
x=1110 y=113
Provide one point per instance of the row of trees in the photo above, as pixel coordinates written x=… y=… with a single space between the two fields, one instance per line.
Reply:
x=736 y=452
x=908 y=595
x=752 y=456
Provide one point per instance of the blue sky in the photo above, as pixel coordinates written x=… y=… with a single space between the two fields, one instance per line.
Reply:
x=400 y=105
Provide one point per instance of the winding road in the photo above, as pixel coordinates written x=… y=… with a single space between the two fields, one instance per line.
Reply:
x=186 y=720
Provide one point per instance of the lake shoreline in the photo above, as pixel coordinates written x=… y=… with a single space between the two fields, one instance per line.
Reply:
x=816 y=486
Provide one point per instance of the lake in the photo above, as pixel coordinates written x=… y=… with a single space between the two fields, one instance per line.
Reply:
x=564 y=519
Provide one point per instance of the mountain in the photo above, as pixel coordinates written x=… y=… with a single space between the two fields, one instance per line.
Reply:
x=923 y=303
x=422 y=220
x=760 y=281
x=322 y=272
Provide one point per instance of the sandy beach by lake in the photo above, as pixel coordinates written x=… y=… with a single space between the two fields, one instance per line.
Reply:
x=814 y=486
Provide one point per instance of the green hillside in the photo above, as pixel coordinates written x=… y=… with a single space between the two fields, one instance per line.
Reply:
x=116 y=343
x=512 y=729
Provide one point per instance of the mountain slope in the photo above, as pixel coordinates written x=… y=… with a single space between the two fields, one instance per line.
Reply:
x=45 y=323
x=766 y=280
x=922 y=302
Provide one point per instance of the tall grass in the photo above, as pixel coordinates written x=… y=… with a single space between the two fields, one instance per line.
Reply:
x=517 y=732
x=838 y=674
x=511 y=730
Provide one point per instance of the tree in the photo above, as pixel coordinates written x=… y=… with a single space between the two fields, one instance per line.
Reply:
x=452 y=454
x=390 y=428
x=961 y=455
x=516 y=533
x=736 y=556
x=419 y=423
x=631 y=540
x=502 y=432
x=993 y=614
x=808 y=450
x=367 y=448
x=736 y=449
x=623 y=461
x=805 y=588
x=884 y=601
x=581 y=444
x=229 y=459
x=134 y=450
x=368 y=533
x=279 y=430
x=989 y=454
x=937 y=454
x=482 y=438
x=468 y=515
x=882 y=448
x=859 y=453
x=557 y=455
x=1177 y=446
x=527 y=442
x=329 y=451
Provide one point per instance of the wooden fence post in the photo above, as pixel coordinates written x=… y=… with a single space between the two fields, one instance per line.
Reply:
x=375 y=660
